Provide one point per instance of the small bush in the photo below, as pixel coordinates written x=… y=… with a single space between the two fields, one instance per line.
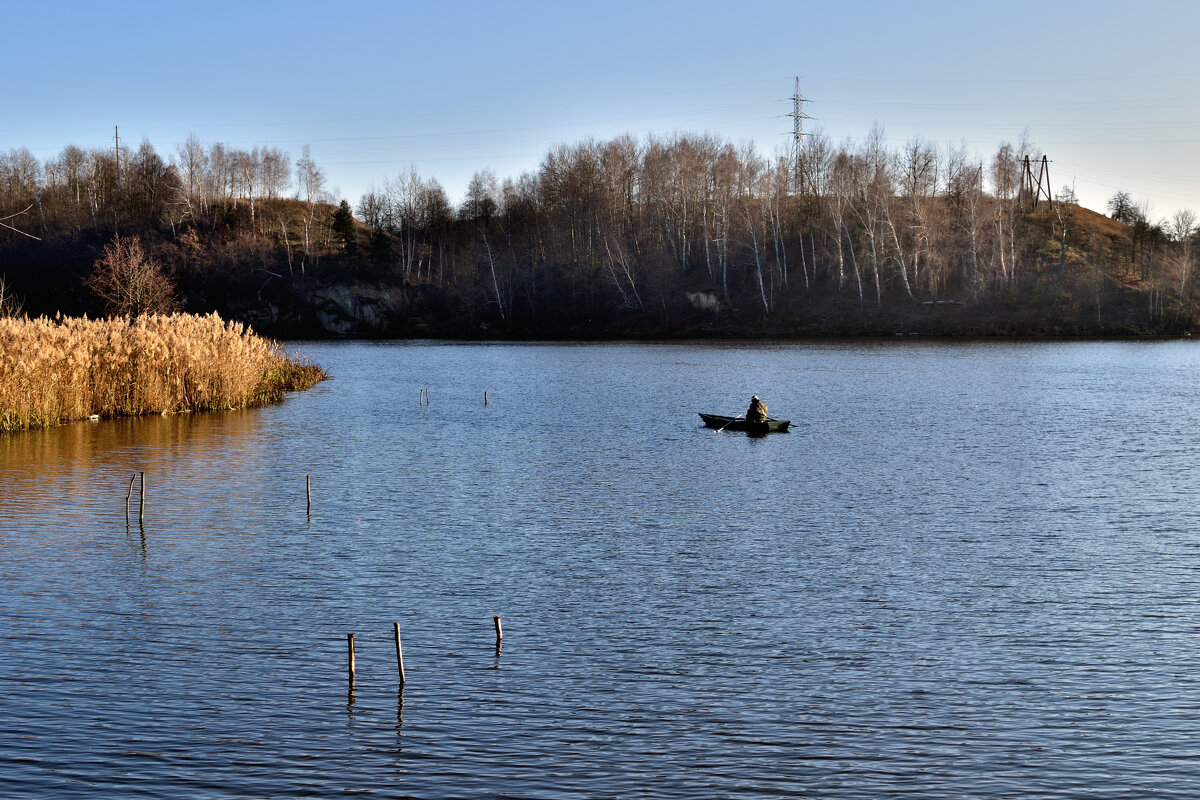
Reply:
x=130 y=282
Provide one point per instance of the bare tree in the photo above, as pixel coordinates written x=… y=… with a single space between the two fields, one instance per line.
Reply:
x=129 y=281
x=220 y=173
x=151 y=184
x=841 y=195
x=21 y=181
x=777 y=180
x=435 y=214
x=404 y=218
x=66 y=180
x=1064 y=209
x=246 y=166
x=964 y=189
x=872 y=192
x=1121 y=207
x=623 y=272
x=1182 y=230
x=273 y=174
x=482 y=199
x=816 y=178
x=192 y=164
x=1006 y=181
x=918 y=172
x=495 y=281
x=311 y=190
x=10 y=305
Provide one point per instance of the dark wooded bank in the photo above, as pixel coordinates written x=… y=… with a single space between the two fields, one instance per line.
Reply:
x=680 y=237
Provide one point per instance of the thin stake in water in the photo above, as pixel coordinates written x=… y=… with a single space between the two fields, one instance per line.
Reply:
x=399 y=653
x=132 y=478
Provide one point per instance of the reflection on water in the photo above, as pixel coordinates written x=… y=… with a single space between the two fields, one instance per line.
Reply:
x=78 y=471
x=969 y=571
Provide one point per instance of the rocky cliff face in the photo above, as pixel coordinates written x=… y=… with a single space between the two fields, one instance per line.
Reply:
x=352 y=309
x=326 y=309
x=356 y=309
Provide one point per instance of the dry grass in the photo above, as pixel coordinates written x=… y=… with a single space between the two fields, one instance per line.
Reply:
x=54 y=371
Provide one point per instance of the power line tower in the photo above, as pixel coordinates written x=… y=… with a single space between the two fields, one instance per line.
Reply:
x=798 y=116
x=1030 y=195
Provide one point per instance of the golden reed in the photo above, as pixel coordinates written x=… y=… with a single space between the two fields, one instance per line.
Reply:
x=64 y=369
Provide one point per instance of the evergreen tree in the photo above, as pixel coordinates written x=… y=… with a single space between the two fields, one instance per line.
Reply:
x=379 y=250
x=344 y=230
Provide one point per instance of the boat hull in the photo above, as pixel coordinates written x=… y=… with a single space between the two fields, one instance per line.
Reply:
x=735 y=424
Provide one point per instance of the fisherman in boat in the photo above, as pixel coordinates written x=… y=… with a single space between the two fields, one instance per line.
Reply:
x=757 y=411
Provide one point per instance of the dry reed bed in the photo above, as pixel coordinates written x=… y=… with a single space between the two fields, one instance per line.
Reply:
x=64 y=369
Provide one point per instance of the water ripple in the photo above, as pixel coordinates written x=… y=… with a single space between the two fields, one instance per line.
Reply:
x=970 y=571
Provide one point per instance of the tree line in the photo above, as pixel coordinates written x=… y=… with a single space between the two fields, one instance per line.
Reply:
x=682 y=233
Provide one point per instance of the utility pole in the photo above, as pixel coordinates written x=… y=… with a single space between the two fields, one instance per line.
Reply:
x=798 y=116
x=117 y=189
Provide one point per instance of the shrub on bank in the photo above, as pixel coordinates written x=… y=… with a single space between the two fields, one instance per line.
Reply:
x=64 y=369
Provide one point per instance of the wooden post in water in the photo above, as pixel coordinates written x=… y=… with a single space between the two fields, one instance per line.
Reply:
x=399 y=653
x=485 y=398
x=308 y=491
x=499 y=632
x=132 y=478
x=350 y=654
x=142 y=506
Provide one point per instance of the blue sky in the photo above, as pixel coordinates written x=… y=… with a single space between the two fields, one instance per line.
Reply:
x=1110 y=91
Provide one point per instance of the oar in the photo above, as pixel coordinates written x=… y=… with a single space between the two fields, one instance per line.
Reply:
x=727 y=424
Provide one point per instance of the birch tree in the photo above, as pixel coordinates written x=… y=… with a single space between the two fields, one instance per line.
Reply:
x=311 y=190
x=1181 y=229
x=1005 y=182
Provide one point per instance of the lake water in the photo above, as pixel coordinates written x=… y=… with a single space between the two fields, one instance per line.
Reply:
x=969 y=571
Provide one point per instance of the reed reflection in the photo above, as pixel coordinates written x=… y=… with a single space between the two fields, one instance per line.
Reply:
x=76 y=472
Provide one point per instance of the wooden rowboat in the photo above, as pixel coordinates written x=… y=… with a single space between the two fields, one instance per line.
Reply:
x=736 y=424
